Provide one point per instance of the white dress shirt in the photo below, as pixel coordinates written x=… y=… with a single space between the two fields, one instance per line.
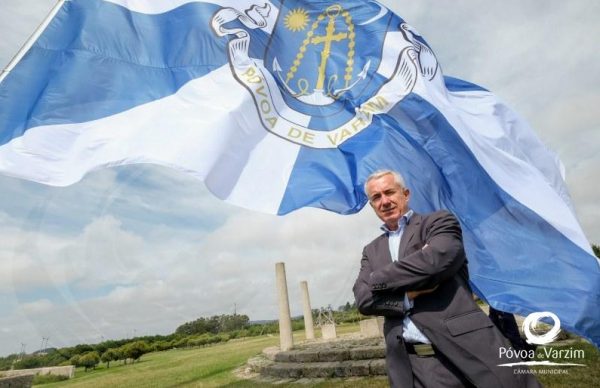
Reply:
x=411 y=333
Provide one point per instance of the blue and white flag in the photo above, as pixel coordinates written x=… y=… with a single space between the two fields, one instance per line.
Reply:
x=281 y=105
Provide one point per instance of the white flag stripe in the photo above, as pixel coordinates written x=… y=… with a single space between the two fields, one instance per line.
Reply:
x=507 y=168
x=270 y=164
x=392 y=47
x=189 y=131
x=153 y=7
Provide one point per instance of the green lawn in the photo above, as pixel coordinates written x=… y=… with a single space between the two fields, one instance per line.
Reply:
x=209 y=366
x=213 y=366
x=588 y=376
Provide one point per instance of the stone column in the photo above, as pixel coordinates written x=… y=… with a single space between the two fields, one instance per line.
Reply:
x=309 y=329
x=285 y=321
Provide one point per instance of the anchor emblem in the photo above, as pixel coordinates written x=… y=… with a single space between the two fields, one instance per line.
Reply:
x=305 y=88
x=324 y=90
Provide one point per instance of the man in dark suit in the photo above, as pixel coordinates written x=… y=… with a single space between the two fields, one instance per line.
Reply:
x=415 y=275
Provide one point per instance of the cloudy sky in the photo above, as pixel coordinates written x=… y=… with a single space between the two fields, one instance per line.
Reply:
x=139 y=250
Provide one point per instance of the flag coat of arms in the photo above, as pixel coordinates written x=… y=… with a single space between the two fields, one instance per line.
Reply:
x=279 y=105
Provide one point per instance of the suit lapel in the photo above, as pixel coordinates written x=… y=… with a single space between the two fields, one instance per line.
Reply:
x=411 y=229
x=383 y=247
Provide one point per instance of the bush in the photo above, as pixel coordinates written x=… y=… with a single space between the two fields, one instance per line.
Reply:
x=135 y=350
x=239 y=334
x=297 y=324
x=206 y=339
x=46 y=379
x=29 y=363
x=89 y=360
x=75 y=360
x=181 y=343
x=265 y=328
x=110 y=355
x=163 y=345
x=198 y=341
x=214 y=325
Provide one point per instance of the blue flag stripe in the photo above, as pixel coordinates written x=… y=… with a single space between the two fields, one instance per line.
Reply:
x=120 y=59
x=459 y=85
x=416 y=140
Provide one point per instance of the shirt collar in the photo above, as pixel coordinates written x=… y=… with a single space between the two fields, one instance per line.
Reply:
x=402 y=222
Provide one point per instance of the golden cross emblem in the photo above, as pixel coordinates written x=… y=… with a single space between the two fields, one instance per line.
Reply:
x=324 y=91
x=329 y=37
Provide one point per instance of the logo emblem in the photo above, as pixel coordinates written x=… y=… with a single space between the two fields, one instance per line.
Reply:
x=311 y=75
x=530 y=325
x=325 y=73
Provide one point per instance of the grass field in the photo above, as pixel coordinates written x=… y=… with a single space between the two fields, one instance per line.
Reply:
x=214 y=366
x=209 y=366
x=584 y=377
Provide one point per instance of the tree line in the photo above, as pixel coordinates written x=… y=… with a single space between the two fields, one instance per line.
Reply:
x=215 y=324
x=200 y=332
x=203 y=331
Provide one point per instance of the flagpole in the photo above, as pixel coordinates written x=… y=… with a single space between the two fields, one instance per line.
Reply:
x=36 y=34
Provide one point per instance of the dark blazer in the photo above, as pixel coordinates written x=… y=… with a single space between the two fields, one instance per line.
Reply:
x=432 y=254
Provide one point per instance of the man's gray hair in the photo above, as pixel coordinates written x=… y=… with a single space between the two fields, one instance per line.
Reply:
x=379 y=173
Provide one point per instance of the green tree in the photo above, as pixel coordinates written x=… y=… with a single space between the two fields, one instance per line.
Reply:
x=89 y=360
x=215 y=324
x=199 y=326
x=121 y=354
x=233 y=322
x=7 y=362
x=29 y=362
x=181 y=343
x=135 y=350
x=110 y=355
x=102 y=347
x=82 y=348
x=162 y=345
x=596 y=250
x=74 y=360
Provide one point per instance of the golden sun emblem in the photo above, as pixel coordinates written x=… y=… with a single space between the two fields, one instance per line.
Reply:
x=296 y=19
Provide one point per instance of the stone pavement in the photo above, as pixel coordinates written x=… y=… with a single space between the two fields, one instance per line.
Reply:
x=345 y=357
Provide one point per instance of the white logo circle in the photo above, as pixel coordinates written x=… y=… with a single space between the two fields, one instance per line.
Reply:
x=530 y=325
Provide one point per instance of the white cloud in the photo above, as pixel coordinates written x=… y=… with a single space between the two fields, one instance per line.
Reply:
x=37 y=307
x=158 y=285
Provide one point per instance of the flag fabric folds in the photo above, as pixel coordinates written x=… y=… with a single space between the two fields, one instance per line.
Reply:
x=282 y=105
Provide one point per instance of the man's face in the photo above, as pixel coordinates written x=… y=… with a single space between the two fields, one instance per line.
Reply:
x=388 y=199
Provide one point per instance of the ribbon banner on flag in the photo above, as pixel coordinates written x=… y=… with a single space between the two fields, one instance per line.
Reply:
x=282 y=105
